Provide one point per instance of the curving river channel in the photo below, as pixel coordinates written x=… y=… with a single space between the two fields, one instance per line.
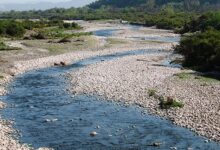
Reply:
x=46 y=115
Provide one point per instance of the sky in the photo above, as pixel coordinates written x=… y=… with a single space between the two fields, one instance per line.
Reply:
x=37 y=1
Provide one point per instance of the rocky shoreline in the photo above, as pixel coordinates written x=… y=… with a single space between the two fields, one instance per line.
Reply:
x=129 y=79
x=19 y=67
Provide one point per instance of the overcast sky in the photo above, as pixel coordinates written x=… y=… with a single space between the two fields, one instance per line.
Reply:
x=37 y=1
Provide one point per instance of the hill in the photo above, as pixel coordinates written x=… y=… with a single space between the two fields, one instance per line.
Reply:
x=155 y=4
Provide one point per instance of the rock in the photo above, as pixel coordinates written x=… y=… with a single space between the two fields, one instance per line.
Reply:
x=44 y=148
x=208 y=140
x=39 y=36
x=2 y=105
x=173 y=148
x=156 y=144
x=50 y=41
x=65 y=40
x=56 y=64
x=51 y=120
x=93 y=134
x=62 y=63
x=27 y=38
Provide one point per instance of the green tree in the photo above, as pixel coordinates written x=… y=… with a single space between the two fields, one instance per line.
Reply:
x=15 y=29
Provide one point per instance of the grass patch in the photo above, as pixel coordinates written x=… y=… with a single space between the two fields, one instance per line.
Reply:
x=170 y=102
x=206 y=79
x=54 y=32
x=4 y=47
x=177 y=61
x=115 y=41
x=198 y=77
x=54 y=47
x=183 y=75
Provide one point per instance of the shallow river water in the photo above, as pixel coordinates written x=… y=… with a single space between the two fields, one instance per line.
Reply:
x=46 y=115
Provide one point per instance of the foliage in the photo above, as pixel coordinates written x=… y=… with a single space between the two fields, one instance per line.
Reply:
x=201 y=50
x=169 y=102
x=183 y=75
x=203 y=23
x=156 y=4
x=201 y=47
x=55 y=32
x=11 y=28
x=165 y=102
x=72 y=25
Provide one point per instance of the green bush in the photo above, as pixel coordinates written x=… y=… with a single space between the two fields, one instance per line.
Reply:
x=201 y=50
x=203 y=23
x=11 y=28
x=66 y=25
x=15 y=29
x=169 y=102
x=70 y=26
x=2 y=46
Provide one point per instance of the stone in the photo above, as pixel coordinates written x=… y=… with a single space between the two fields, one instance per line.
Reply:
x=56 y=64
x=93 y=134
x=62 y=63
x=156 y=144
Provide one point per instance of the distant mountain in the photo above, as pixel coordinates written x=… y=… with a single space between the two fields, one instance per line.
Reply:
x=42 y=5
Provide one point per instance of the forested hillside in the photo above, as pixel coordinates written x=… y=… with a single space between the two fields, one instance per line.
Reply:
x=156 y=4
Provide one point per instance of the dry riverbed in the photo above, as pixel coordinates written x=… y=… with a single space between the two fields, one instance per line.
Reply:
x=127 y=79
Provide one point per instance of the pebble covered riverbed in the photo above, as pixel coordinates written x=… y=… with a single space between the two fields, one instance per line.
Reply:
x=47 y=115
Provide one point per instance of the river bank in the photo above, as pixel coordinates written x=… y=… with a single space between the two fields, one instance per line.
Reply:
x=129 y=79
x=156 y=73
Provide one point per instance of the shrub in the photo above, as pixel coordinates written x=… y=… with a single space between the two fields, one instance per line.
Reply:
x=203 y=23
x=11 y=28
x=76 y=26
x=166 y=103
x=66 y=25
x=201 y=50
x=70 y=25
x=2 y=46
x=15 y=29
